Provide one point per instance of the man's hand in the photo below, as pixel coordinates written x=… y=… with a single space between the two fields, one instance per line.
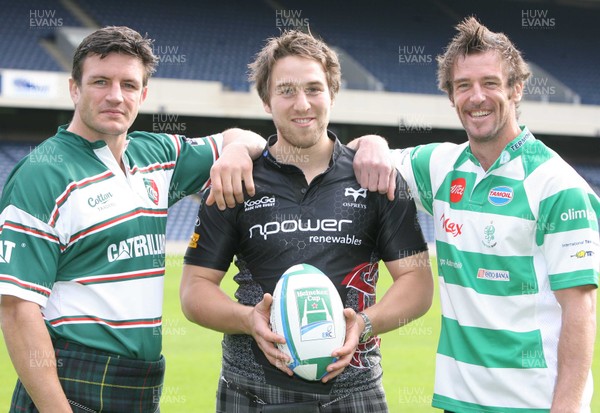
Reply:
x=373 y=166
x=267 y=339
x=345 y=353
x=233 y=169
x=229 y=174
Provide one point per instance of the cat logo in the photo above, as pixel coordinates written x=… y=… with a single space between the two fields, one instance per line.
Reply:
x=6 y=248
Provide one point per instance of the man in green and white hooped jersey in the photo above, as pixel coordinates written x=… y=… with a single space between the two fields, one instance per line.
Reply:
x=517 y=244
x=82 y=237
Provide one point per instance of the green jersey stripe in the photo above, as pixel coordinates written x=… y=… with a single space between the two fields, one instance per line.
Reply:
x=447 y=403
x=14 y=226
x=487 y=274
x=491 y=348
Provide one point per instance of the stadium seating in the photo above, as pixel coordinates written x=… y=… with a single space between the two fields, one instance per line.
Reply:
x=397 y=43
x=24 y=26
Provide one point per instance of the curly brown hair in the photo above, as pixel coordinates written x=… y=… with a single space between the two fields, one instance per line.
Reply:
x=473 y=37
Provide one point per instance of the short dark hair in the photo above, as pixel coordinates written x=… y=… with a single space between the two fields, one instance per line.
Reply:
x=115 y=39
x=294 y=43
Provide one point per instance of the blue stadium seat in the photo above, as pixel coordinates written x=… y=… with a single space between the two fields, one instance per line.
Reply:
x=397 y=43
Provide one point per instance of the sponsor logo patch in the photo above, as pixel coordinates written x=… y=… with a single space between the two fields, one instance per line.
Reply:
x=138 y=246
x=489 y=240
x=263 y=202
x=500 y=195
x=151 y=190
x=314 y=310
x=457 y=189
x=6 y=248
x=451 y=227
x=493 y=275
x=573 y=214
x=582 y=254
x=355 y=193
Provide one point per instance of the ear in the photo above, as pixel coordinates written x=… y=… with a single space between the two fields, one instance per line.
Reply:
x=518 y=91
x=74 y=90
x=144 y=94
x=267 y=107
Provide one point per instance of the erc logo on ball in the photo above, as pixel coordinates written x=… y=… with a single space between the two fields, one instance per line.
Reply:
x=308 y=311
x=500 y=195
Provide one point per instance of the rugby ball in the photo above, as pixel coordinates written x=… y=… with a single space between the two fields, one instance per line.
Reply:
x=308 y=311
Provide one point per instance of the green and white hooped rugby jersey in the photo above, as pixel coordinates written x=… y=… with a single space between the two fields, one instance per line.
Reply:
x=86 y=241
x=505 y=239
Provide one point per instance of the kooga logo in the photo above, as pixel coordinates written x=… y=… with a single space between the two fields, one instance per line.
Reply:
x=270 y=228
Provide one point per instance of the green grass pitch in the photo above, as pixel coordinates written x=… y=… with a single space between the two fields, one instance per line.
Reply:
x=193 y=357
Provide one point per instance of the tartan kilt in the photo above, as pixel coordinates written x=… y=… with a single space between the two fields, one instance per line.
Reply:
x=231 y=401
x=94 y=381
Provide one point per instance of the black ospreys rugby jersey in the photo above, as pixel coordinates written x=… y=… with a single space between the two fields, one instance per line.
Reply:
x=332 y=224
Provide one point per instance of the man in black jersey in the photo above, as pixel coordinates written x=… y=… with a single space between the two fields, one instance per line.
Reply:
x=308 y=208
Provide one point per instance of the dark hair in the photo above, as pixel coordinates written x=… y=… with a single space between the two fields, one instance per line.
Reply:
x=294 y=43
x=115 y=39
x=473 y=37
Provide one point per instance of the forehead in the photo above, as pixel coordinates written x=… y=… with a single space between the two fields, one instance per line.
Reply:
x=476 y=65
x=113 y=65
x=297 y=70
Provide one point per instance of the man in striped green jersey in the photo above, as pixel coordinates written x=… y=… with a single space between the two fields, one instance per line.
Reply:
x=82 y=237
x=517 y=242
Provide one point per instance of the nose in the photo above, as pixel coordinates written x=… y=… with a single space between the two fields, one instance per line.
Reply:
x=301 y=103
x=115 y=93
x=477 y=96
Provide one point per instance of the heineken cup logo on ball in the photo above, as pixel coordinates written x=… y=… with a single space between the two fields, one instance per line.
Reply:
x=314 y=308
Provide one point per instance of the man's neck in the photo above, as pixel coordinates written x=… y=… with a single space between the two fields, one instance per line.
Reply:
x=487 y=152
x=115 y=143
x=312 y=161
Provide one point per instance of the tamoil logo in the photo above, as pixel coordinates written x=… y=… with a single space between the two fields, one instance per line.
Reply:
x=500 y=195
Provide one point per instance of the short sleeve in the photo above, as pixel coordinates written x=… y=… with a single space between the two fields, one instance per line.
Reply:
x=214 y=241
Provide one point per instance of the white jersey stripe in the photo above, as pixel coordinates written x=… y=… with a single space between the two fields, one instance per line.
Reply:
x=518 y=387
x=139 y=299
x=491 y=312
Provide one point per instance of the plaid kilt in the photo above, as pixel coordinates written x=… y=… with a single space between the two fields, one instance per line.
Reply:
x=94 y=381
x=231 y=401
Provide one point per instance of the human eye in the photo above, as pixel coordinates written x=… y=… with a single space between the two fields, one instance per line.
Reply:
x=286 y=90
x=131 y=86
x=462 y=86
x=312 y=90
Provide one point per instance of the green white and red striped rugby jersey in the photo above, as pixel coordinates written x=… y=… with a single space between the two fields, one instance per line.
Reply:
x=86 y=241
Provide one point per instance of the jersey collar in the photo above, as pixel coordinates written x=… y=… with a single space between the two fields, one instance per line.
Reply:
x=270 y=159
x=511 y=151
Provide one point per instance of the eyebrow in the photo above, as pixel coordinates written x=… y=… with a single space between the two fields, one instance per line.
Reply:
x=467 y=79
x=296 y=83
x=103 y=77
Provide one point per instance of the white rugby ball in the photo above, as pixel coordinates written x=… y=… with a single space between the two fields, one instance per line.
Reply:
x=308 y=311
